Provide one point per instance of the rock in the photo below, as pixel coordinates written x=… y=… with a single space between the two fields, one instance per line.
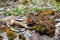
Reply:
x=57 y=20
x=34 y=36
x=4 y=36
x=58 y=25
x=1 y=9
x=17 y=38
x=20 y=37
x=57 y=28
x=11 y=21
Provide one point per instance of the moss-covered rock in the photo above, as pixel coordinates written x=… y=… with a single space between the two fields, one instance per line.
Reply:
x=11 y=35
x=42 y=25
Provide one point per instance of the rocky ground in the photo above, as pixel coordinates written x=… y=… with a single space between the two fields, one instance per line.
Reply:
x=22 y=33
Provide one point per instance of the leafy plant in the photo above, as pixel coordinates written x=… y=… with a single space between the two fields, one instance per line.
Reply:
x=16 y=11
x=36 y=9
x=58 y=9
x=34 y=2
x=42 y=29
x=55 y=4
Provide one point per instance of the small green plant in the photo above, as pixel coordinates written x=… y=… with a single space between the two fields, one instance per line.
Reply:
x=55 y=4
x=34 y=9
x=42 y=29
x=16 y=11
x=58 y=9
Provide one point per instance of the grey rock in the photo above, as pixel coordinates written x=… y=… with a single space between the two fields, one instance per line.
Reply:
x=57 y=20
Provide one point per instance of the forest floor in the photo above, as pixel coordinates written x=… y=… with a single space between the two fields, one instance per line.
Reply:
x=29 y=34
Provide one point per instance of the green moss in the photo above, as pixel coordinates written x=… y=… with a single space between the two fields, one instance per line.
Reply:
x=10 y=34
x=44 y=26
